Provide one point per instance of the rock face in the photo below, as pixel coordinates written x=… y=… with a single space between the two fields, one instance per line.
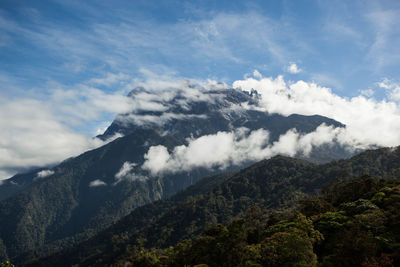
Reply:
x=85 y=194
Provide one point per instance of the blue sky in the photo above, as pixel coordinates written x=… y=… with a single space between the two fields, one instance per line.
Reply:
x=346 y=45
x=57 y=56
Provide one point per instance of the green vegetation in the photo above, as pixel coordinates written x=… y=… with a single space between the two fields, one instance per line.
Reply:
x=358 y=226
x=6 y=264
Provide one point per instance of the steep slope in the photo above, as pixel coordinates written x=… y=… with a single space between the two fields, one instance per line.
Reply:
x=90 y=192
x=272 y=184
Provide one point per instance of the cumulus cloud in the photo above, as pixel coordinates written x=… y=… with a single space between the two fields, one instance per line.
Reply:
x=234 y=148
x=96 y=183
x=293 y=68
x=44 y=173
x=368 y=121
x=127 y=173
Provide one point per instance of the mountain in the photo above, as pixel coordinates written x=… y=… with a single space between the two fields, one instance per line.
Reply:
x=272 y=185
x=72 y=201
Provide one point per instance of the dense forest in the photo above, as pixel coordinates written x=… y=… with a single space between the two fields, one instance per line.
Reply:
x=274 y=186
x=354 y=223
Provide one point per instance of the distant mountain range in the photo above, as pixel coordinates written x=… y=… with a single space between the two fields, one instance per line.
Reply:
x=56 y=208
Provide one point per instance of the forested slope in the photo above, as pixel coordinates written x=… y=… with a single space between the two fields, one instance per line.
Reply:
x=275 y=184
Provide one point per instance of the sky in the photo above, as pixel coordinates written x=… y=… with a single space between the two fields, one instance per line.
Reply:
x=66 y=66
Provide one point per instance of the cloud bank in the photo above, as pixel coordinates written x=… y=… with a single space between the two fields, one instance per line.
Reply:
x=39 y=132
x=368 y=121
x=234 y=148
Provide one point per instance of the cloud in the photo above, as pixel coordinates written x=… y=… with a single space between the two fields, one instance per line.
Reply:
x=368 y=121
x=128 y=43
x=367 y=92
x=384 y=50
x=257 y=74
x=158 y=99
x=392 y=88
x=234 y=148
x=96 y=183
x=35 y=133
x=110 y=79
x=83 y=103
x=126 y=173
x=44 y=173
x=293 y=68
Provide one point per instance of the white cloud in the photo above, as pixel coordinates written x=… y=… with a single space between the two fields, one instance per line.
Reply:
x=368 y=121
x=161 y=93
x=127 y=173
x=35 y=134
x=233 y=148
x=96 y=183
x=44 y=173
x=392 y=88
x=86 y=103
x=257 y=74
x=293 y=68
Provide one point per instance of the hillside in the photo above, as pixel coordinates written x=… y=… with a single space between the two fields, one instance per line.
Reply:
x=352 y=223
x=275 y=184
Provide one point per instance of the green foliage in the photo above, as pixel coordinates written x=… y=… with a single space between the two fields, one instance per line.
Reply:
x=355 y=233
x=6 y=264
x=291 y=248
